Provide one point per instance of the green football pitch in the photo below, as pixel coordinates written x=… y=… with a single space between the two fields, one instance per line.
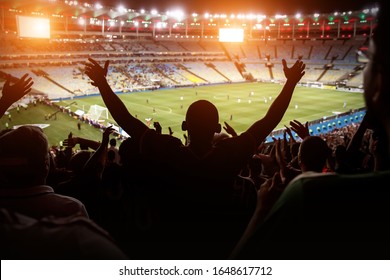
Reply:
x=238 y=104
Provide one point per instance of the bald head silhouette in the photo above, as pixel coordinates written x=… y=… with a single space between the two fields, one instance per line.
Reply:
x=202 y=122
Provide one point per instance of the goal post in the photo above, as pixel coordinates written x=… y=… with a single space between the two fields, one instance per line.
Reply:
x=97 y=112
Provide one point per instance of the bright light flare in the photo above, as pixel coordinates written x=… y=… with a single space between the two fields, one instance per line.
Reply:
x=33 y=27
x=231 y=35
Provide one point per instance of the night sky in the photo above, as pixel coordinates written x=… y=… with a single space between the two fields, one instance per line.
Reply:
x=245 y=6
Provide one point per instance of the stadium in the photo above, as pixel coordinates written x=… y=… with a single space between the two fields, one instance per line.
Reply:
x=161 y=62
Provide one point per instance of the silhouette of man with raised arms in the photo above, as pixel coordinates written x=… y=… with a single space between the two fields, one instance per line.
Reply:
x=198 y=217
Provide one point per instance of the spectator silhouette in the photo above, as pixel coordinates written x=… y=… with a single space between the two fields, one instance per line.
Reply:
x=85 y=183
x=196 y=214
x=331 y=215
x=25 y=163
x=37 y=223
x=65 y=238
x=313 y=154
x=113 y=147
x=342 y=164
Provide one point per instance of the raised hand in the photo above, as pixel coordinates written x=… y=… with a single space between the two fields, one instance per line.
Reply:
x=157 y=127
x=302 y=130
x=95 y=72
x=106 y=133
x=70 y=142
x=295 y=72
x=12 y=93
x=268 y=194
x=288 y=131
x=286 y=172
x=230 y=130
x=132 y=125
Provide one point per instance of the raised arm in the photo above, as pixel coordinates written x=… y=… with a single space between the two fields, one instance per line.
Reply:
x=133 y=126
x=13 y=93
x=263 y=127
x=95 y=165
x=72 y=141
x=356 y=141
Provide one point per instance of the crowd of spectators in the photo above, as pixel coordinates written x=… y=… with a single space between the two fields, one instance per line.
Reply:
x=217 y=196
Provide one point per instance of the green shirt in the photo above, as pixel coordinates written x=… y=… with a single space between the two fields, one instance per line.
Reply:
x=327 y=216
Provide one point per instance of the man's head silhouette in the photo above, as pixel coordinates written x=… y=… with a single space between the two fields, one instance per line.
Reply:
x=202 y=122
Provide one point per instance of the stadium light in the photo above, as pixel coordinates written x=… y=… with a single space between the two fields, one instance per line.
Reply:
x=121 y=9
x=177 y=14
x=258 y=26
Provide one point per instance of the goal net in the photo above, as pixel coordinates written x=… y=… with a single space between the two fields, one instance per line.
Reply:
x=97 y=112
